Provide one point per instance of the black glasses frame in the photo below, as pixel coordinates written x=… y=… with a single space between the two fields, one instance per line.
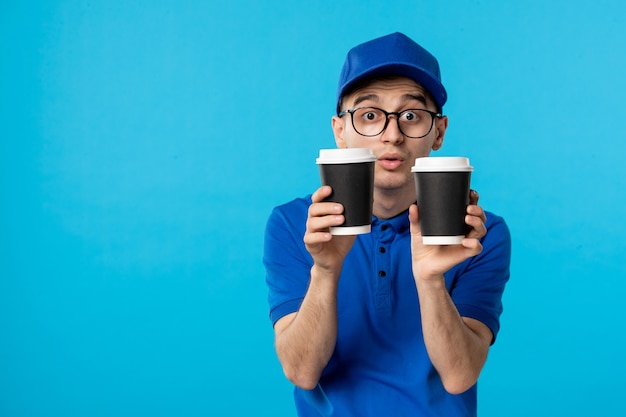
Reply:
x=387 y=114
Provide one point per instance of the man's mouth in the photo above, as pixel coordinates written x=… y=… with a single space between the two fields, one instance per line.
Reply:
x=390 y=161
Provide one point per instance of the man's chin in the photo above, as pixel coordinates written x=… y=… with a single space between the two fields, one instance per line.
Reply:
x=392 y=183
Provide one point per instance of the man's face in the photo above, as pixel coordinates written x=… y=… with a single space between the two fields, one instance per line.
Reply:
x=395 y=152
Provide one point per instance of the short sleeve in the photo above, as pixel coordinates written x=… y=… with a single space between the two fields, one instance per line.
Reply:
x=287 y=263
x=477 y=290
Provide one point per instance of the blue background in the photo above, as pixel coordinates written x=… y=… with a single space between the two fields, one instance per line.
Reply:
x=144 y=143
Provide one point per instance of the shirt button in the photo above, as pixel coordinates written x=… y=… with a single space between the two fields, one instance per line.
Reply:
x=382 y=250
x=382 y=274
x=384 y=227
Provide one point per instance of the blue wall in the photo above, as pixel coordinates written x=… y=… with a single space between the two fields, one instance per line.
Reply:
x=143 y=145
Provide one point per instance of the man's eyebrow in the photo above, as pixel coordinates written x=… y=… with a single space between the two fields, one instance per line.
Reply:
x=361 y=99
x=416 y=97
x=407 y=97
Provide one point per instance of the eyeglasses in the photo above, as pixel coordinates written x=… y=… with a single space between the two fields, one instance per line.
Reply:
x=372 y=121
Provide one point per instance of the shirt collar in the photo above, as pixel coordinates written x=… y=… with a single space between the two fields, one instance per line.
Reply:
x=398 y=223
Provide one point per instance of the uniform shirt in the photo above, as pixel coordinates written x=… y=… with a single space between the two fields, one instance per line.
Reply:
x=380 y=365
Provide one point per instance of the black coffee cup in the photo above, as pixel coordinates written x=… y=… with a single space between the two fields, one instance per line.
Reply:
x=350 y=173
x=442 y=185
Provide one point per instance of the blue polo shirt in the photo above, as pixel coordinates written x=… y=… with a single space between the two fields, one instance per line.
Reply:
x=380 y=365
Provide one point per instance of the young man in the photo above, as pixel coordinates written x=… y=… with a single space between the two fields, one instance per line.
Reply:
x=379 y=324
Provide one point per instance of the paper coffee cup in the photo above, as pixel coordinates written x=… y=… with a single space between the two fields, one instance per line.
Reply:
x=350 y=173
x=442 y=185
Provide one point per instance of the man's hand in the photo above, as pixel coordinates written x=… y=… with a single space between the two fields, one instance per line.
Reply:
x=328 y=251
x=431 y=261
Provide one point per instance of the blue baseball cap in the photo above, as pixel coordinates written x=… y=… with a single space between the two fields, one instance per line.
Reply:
x=394 y=54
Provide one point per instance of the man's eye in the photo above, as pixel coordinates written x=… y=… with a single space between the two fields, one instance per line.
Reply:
x=410 y=116
x=370 y=116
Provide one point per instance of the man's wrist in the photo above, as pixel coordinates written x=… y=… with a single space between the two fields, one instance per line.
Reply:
x=325 y=272
x=431 y=280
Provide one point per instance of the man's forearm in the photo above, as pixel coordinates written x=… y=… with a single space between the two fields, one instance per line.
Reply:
x=305 y=343
x=457 y=350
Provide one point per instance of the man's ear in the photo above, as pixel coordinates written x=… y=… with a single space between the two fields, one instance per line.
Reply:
x=338 y=125
x=441 y=124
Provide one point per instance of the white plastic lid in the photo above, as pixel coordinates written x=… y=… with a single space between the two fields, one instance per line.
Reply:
x=442 y=164
x=345 y=156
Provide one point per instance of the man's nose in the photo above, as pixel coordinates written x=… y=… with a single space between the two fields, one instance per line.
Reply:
x=392 y=133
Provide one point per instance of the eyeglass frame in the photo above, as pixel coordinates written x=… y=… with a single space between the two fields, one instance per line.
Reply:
x=433 y=115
